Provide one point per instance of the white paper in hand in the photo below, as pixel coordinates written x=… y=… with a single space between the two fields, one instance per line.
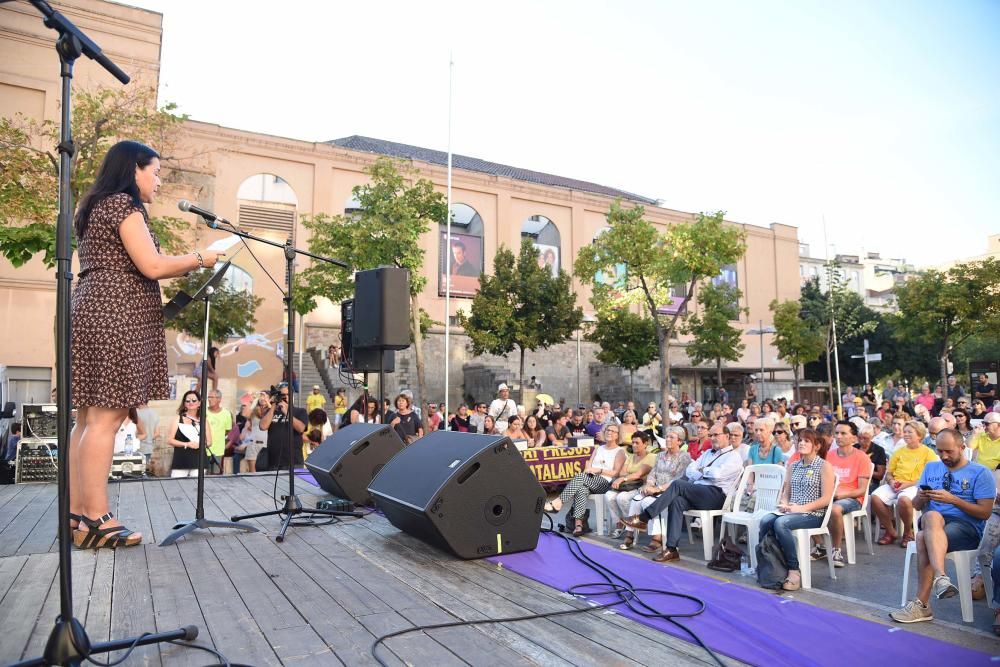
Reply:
x=224 y=244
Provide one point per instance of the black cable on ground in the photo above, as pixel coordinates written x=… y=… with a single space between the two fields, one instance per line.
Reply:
x=626 y=593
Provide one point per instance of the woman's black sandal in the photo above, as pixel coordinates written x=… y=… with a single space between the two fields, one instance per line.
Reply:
x=103 y=538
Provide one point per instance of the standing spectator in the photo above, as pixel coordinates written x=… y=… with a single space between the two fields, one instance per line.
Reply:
x=434 y=417
x=244 y=436
x=905 y=468
x=131 y=426
x=984 y=391
x=955 y=510
x=544 y=414
x=889 y=393
x=258 y=435
x=723 y=396
x=364 y=412
x=868 y=397
x=986 y=444
x=220 y=421
x=709 y=480
x=853 y=469
x=955 y=391
x=925 y=397
x=804 y=497
x=295 y=378
x=281 y=452
x=461 y=422
x=503 y=407
x=638 y=462
x=316 y=400
x=605 y=465
x=184 y=436
x=405 y=421
x=477 y=418
x=339 y=407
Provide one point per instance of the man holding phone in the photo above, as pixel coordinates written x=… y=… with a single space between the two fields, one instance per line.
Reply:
x=956 y=497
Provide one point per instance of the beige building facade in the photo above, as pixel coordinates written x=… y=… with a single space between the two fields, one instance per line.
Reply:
x=267 y=184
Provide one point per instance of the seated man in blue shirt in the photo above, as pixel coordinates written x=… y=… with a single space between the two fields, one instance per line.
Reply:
x=956 y=497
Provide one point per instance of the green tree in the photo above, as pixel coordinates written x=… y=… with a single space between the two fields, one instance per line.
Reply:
x=232 y=314
x=680 y=256
x=395 y=212
x=522 y=305
x=798 y=340
x=946 y=308
x=838 y=307
x=714 y=338
x=627 y=340
x=29 y=165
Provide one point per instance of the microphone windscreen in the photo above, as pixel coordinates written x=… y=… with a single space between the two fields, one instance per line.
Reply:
x=184 y=205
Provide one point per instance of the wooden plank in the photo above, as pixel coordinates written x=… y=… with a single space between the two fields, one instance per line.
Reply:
x=233 y=628
x=131 y=509
x=43 y=536
x=177 y=498
x=9 y=491
x=10 y=511
x=9 y=569
x=26 y=521
x=22 y=604
x=131 y=605
x=82 y=576
x=96 y=618
x=161 y=516
x=176 y=605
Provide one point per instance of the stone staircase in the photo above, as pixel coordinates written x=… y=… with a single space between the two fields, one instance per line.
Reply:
x=314 y=372
x=611 y=383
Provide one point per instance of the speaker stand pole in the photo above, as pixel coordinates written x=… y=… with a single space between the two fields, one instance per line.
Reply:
x=200 y=522
x=293 y=506
x=68 y=643
x=381 y=383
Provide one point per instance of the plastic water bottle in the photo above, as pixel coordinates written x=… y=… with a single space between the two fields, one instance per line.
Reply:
x=745 y=569
x=129 y=445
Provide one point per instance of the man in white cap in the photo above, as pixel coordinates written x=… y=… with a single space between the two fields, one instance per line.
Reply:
x=502 y=408
x=315 y=400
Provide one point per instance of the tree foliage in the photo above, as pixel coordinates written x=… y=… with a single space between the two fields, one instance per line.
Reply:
x=395 y=212
x=232 y=313
x=522 y=305
x=943 y=309
x=627 y=340
x=714 y=338
x=29 y=165
x=797 y=338
x=680 y=256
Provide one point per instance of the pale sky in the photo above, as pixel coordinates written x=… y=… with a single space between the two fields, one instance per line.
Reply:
x=882 y=116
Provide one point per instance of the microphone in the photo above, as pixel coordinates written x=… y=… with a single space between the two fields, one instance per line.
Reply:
x=187 y=207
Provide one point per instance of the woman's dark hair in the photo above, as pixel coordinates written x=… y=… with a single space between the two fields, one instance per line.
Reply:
x=968 y=417
x=212 y=351
x=181 y=410
x=117 y=174
x=358 y=406
x=317 y=416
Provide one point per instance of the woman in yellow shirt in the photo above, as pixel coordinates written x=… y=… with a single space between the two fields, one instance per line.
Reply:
x=900 y=484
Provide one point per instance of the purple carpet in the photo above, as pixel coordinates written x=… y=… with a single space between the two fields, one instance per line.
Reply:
x=754 y=626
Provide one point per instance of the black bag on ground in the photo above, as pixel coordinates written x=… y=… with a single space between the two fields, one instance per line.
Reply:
x=726 y=557
x=571 y=522
x=772 y=570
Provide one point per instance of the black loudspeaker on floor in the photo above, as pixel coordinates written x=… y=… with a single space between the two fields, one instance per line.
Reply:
x=466 y=493
x=345 y=463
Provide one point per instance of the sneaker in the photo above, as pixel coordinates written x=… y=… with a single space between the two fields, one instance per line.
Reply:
x=943 y=588
x=618 y=533
x=818 y=552
x=914 y=612
x=838 y=559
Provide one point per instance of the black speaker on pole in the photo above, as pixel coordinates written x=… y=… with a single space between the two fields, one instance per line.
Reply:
x=468 y=493
x=360 y=360
x=382 y=308
x=347 y=461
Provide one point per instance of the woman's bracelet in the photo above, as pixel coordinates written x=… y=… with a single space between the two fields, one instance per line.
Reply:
x=201 y=260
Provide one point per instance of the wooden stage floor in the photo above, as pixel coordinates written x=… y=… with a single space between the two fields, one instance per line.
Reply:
x=321 y=597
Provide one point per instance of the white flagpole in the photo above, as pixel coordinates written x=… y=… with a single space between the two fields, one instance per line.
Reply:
x=447 y=249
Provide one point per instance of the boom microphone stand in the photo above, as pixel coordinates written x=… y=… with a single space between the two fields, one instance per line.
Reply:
x=170 y=311
x=293 y=506
x=68 y=643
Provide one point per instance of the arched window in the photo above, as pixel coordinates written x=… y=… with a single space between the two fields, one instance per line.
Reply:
x=545 y=235
x=353 y=205
x=268 y=203
x=238 y=279
x=466 y=252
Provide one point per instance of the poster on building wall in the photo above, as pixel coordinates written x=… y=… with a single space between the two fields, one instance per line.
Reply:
x=614 y=278
x=466 y=264
x=548 y=258
x=676 y=304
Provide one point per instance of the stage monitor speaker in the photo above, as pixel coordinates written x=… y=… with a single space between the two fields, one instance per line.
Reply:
x=382 y=313
x=345 y=463
x=468 y=493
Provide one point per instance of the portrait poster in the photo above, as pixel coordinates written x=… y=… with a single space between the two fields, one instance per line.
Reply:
x=466 y=264
x=548 y=257
x=614 y=278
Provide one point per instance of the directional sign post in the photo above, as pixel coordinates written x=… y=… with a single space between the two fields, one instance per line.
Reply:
x=877 y=356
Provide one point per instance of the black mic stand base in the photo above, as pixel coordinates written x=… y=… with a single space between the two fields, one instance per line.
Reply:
x=183 y=528
x=293 y=508
x=68 y=643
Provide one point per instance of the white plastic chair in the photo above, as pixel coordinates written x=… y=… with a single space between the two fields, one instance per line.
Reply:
x=866 y=523
x=803 y=540
x=599 y=512
x=707 y=521
x=963 y=572
x=768 y=480
x=899 y=521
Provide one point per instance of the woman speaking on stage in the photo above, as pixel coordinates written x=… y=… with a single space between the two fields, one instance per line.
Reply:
x=118 y=348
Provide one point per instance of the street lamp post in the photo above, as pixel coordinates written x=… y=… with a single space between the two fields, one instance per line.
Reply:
x=760 y=331
x=579 y=333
